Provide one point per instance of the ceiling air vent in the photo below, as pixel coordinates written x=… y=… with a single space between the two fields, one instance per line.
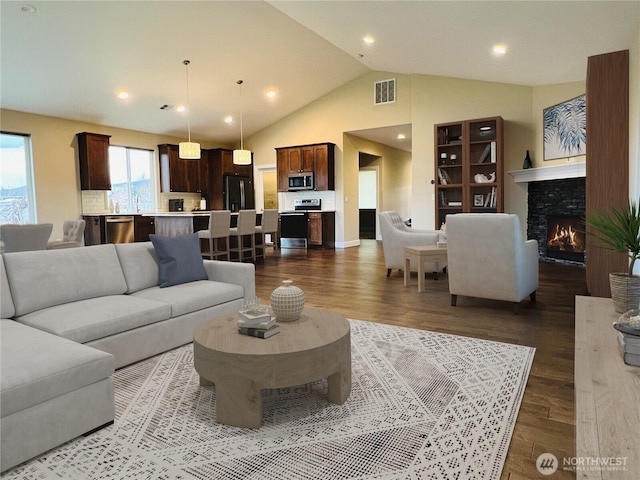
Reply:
x=384 y=91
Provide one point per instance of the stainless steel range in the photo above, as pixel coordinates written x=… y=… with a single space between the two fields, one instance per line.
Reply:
x=294 y=225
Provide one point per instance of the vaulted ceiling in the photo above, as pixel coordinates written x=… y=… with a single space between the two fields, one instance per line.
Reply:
x=69 y=59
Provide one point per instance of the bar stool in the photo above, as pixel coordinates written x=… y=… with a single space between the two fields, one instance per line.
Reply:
x=269 y=225
x=246 y=229
x=219 y=229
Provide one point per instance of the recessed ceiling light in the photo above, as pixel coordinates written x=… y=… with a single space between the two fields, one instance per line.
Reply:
x=123 y=95
x=401 y=136
x=228 y=119
x=181 y=108
x=500 y=49
x=368 y=39
x=271 y=94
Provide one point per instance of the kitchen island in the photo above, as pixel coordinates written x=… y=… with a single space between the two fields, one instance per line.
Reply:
x=167 y=224
x=171 y=224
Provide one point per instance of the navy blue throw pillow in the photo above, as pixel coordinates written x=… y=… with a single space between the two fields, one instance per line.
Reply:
x=180 y=259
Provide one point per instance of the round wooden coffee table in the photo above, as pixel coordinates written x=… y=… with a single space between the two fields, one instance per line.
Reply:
x=316 y=346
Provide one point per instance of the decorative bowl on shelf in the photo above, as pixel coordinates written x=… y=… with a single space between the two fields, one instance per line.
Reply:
x=287 y=302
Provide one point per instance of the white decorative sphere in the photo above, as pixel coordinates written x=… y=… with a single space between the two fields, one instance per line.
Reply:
x=287 y=302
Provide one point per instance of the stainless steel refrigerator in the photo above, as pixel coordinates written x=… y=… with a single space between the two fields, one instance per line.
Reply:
x=238 y=193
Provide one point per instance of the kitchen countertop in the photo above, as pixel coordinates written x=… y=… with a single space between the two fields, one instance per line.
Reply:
x=149 y=214
x=195 y=213
x=307 y=211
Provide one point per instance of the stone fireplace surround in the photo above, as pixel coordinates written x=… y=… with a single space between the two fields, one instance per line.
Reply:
x=559 y=190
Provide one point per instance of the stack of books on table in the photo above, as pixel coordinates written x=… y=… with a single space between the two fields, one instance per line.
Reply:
x=629 y=340
x=257 y=324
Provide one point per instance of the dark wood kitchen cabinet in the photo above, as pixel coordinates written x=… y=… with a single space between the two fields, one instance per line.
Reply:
x=143 y=226
x=318 y=158
x=94 y=230
x=322 y=229
x=93 y=157
x=324 y=166
x=181 y=175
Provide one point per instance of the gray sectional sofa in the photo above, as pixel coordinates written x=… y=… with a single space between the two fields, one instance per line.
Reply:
x=70 y=317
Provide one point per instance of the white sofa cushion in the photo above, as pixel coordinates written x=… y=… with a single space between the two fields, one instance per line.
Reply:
x=193 y=296
x=7 y=310
x=37 y=366
x=139 y=264
x=93 y=318
x=44 y=278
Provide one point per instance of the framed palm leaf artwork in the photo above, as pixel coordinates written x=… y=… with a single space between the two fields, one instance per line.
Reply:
x=565 y=129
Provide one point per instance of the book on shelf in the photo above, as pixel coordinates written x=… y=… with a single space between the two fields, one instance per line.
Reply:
x=485 y=154
x=444 y=177
x=494 y=152
x=260 y=332
x=262 y=325
x=443 y=198
x=441 y=177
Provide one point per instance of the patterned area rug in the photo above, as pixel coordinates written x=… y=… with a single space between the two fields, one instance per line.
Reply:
x=423 y=405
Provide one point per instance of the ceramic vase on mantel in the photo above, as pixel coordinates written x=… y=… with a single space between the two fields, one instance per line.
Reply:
x=625 y=291
x=287 y=302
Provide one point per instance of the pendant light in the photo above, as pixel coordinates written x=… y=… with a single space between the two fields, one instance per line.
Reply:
x=188 y=150
x=242 y=156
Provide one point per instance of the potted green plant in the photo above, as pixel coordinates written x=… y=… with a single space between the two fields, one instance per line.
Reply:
x=619 y=231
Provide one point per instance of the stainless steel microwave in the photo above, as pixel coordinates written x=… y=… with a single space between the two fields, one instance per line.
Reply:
x=301 y=181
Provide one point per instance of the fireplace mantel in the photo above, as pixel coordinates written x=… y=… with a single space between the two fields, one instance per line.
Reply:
x=555 y=172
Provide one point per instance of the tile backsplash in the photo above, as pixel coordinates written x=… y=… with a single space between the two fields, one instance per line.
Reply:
x=96 y=202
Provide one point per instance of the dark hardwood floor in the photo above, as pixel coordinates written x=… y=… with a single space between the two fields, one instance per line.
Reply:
x=353 y=283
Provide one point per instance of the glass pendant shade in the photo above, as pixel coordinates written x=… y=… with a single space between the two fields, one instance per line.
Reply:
x=189 y=150
x=242 y=157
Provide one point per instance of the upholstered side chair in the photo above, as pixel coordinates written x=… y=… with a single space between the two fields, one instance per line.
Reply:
x=246 y=230
x=218 y=231
x=396 y=235
x=72 y=235
x=21 y=238
x=489 y=258
x=268 y=225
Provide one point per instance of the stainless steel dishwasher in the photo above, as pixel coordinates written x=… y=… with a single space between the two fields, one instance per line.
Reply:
x=119 y=229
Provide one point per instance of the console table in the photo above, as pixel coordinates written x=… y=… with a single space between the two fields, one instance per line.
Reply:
x=607 y=394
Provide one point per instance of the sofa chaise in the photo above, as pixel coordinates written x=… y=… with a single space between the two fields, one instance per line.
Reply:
x=70 y=317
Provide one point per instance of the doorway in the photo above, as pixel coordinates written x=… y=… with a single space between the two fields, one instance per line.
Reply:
x=266 y=187
x=368 y=201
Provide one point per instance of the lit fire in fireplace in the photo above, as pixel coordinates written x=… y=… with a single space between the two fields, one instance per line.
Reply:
x=565 y=238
